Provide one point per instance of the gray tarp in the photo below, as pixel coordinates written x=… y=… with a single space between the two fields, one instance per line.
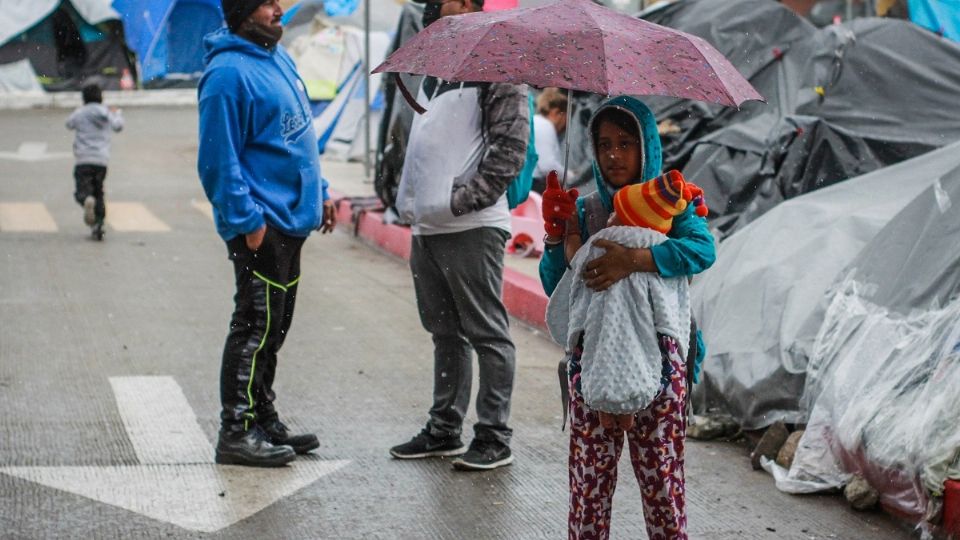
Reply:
x=759 y=306
x=884 y=366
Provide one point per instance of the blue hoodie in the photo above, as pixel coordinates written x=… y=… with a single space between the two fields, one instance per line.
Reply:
x=258 y=158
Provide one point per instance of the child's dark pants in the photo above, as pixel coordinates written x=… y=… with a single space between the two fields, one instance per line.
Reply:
x=89 y=181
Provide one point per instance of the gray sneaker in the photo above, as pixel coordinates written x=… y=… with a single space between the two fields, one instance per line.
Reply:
x=484 y=456
x=89 y=210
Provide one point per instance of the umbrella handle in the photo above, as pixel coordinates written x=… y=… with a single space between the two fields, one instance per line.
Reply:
x=407 y=96
x=566 y=140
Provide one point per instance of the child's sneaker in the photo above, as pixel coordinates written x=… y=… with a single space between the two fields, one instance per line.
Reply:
x=89 y=210
x=97 y=231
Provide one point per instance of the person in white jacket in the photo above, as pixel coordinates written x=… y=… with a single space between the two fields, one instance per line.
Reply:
x=461 y=156
x=93 y=123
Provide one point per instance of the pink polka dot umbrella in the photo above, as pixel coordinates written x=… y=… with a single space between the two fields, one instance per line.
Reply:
x=572 y=44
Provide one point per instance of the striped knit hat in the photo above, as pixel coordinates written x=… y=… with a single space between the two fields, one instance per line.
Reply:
x=654 y=203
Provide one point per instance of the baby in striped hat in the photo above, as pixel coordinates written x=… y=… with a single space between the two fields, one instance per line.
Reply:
x=654 y=203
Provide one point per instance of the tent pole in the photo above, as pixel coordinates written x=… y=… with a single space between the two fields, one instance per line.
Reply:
x=366 y=88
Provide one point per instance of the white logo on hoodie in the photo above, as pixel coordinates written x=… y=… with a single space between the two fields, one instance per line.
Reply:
x=292 y=125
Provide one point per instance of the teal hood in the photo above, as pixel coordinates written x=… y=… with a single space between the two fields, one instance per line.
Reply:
x=652 y=151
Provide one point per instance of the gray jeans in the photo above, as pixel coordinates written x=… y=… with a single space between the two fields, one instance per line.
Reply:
x=458 y=279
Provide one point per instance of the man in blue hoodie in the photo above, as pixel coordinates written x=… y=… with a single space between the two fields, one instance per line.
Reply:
x=260 y=168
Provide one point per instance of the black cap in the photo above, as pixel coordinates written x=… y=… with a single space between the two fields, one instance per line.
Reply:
x=237 y=11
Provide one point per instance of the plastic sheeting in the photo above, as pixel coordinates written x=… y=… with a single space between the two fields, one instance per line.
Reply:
x=885 y=366
x=760 y=306
x=17 y=16
x=18 y=77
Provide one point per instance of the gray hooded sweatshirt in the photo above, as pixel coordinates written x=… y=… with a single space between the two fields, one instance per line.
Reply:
x=93 y=123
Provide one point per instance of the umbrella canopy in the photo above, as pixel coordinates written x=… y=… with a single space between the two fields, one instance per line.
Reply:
x=573 y=44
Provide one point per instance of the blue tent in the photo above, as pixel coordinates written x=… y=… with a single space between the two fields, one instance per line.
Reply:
x=167 y=35
x=941 y=16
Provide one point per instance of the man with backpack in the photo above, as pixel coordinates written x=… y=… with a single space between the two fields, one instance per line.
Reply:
x=462 y=155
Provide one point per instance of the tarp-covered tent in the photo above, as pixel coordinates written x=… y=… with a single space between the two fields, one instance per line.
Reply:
x=884 y=368
x=330 y=59
x=397 y=115
x=66 y=42
x=167 y=36
x=843 y=100
x=760 y=306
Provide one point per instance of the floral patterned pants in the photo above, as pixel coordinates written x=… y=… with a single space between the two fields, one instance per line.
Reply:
x=656 y=452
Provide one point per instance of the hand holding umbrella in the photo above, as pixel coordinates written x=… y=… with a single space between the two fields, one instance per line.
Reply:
x=558 y=206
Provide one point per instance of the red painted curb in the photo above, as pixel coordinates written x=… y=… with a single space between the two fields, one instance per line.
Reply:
x=523 y=296
x=951 y=507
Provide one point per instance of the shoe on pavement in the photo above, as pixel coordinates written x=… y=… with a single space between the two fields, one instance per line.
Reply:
x=483 y=456
x=252 y=449
x=279 y=434
x=425 y=445
x=89 y=210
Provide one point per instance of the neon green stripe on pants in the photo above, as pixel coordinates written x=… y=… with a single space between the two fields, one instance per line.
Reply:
x=263 y=341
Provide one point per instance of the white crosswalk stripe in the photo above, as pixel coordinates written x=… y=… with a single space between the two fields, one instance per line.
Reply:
x=122 y=216
x=204 y=207
x=26 y=217
x=133 y=217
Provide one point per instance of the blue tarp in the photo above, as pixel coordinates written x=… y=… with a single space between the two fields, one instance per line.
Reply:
x=340 y=8
x=940 y=16
x=167 y=35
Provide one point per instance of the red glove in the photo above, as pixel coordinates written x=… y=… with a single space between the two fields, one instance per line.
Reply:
x=558 y=205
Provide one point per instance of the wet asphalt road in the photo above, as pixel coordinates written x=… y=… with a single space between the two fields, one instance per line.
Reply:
x=82 y=323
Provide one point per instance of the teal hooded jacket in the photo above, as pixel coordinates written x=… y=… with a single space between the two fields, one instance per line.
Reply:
x=689 y=248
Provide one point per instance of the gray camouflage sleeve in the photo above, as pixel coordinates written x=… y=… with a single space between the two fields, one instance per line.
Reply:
x=507 y=134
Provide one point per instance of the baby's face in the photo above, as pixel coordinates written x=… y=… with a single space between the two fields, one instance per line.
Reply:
x=613 y=220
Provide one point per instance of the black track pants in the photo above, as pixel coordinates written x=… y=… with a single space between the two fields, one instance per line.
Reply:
x=263 y=310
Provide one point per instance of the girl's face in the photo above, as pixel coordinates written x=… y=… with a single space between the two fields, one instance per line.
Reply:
x=618 y=154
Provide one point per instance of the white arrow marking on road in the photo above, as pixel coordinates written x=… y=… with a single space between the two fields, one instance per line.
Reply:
x=34 y=151
x=176 y=480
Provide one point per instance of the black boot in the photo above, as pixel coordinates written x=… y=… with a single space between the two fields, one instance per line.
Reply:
x=251 y=448
x=277 y=433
